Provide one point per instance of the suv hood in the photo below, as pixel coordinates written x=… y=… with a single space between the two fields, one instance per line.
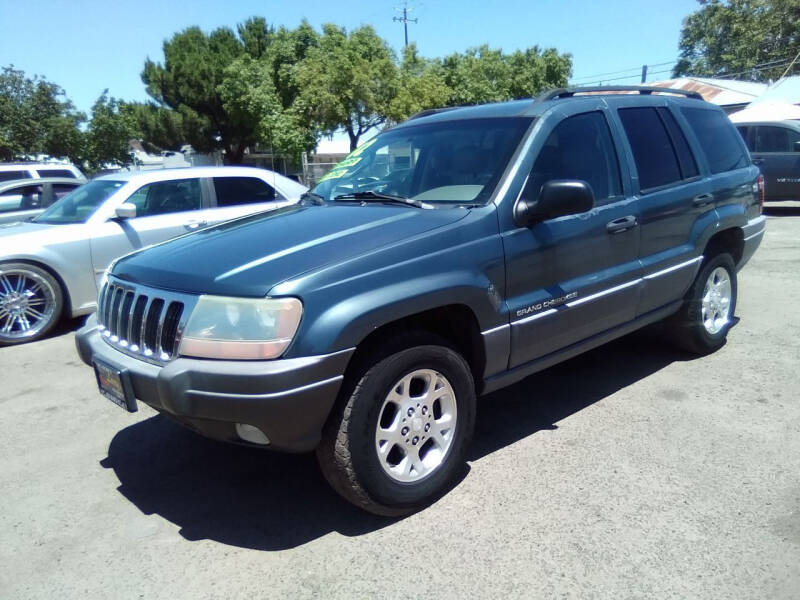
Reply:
x=249 y=256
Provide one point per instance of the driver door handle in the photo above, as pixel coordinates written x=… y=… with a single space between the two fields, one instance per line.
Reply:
x=192 y=225
x=620 y=225
x=703 y=199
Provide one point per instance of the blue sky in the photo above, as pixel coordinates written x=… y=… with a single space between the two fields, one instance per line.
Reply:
x=89 y=45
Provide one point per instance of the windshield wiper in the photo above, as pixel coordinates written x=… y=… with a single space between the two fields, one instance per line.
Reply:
x=315 y=198
x=378 y=197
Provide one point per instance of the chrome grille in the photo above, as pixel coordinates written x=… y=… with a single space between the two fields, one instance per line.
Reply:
x=143 y=322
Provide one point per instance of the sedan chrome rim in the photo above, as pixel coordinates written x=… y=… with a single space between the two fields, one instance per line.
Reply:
x=416 y=426
x=716 y=303
x=27 y=303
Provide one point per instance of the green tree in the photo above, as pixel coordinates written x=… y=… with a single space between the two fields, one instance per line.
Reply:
x=109 y=133
x=216 y=91
x=249 y=95
x=421 y=85
x=484 y=74
x=160 y=127
x=347 y=81
x=36 y=117
x=748 y=39
x=188 y=82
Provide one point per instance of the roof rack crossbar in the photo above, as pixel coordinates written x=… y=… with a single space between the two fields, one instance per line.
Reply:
x=642 y=89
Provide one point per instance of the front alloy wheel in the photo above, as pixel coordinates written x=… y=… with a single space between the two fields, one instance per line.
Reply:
x=400 y=431
x=416 y=425
x=30 y=303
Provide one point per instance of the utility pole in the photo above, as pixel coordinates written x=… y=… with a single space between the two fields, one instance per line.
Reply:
x=404 y=19
x=644 y=73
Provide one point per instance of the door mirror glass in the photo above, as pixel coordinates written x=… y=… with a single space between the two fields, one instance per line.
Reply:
x=126 y=210
x=558 y=197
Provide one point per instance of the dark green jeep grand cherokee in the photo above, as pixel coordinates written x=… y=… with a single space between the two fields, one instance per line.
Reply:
x=449 y=256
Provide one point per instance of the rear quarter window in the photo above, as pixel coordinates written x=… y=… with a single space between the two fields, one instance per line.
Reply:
x=718 y=139
x=56 y=173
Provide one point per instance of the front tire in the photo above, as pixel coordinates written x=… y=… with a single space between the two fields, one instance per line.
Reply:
x=31 y=303
x=701 y=325
x=401 y=431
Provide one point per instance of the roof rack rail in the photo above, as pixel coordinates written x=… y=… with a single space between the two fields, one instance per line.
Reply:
x=431 y=111
x=642 y=89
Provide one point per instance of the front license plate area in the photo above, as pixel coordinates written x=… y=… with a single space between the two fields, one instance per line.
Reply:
x=115 y=385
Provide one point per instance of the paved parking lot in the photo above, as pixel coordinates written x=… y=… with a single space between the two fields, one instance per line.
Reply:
x=632 y=471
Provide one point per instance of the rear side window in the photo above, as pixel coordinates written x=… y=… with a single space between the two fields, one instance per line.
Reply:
x=744 y=132
x=233 y=191
x=11 y=175
x=56 y=173
x=579 y=147
x=718 y=139
x=653 y=152
x=776 y=139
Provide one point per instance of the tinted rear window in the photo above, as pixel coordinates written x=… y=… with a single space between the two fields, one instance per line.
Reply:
x=11 y=175
x=655 y=157
x=55 y=173
x=718 y=138
x=232 y=191
x=776 y=139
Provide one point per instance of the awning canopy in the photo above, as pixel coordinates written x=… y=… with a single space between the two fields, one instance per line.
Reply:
x=767 y=110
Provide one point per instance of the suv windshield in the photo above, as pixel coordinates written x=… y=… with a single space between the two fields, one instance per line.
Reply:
x=78 y=206
x=454 y=161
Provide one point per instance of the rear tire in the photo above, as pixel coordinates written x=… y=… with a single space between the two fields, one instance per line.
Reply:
x=31 y=303
x=401 y=430
x=701 y=325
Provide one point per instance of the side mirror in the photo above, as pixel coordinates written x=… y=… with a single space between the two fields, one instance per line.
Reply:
x=126 y=210
x=559 y=197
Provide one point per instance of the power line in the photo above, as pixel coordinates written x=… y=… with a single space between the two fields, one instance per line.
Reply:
x=592 y=77
x=404 y=19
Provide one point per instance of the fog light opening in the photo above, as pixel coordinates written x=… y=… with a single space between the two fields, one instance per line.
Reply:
x=252 y=434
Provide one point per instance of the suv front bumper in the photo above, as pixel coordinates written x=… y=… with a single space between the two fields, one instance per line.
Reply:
x=289 y=399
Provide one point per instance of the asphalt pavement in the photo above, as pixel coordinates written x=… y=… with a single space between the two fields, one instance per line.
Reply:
x=632 y=471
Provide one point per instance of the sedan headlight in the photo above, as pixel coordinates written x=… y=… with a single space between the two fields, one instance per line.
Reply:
x=240 y=328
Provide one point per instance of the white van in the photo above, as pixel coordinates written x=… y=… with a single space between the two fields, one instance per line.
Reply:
x=10 y=171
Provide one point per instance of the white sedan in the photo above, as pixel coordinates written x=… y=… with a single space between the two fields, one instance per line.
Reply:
x=52 y=266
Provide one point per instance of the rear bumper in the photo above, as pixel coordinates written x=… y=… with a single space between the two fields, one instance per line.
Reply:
x=289 y=400
x=753 y=234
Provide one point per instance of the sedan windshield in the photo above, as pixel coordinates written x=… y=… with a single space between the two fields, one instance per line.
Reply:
x=453 y=162
x=79 y=205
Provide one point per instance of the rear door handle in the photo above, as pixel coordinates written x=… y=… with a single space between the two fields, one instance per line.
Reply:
x=758 y=161
x=192 y=225
x=703 y=199
x=620 y=225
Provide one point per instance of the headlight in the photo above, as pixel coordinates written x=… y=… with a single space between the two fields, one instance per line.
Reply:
x=240 y=328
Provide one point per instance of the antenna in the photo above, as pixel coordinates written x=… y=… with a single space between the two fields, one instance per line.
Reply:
x=404 y=19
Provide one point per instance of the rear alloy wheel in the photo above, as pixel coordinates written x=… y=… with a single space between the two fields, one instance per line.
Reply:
x=702 y=323
x=31 y=303
x=400 y=433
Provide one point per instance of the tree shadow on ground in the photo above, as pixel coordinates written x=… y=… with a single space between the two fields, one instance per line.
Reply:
x=267 y=501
